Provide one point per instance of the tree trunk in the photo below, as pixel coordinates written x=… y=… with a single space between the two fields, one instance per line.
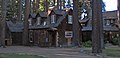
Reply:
x=119 y=21
x=3 y=23
x=54 y=2
x=26 y=26
x=97 y=31
x=58 y=4
x=77 y=34
x=20 y=11
x=37 y=5
x=46 y=5
x=34 y=6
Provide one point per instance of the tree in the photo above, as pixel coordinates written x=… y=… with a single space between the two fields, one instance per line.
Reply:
x=12 y=9
x=37 y=5
x=3 y=22
x=58 y=1
x=77 y=36
x=46 y=5
x=103 y=6
x=26 y=14
x=97 y=26
x=20 y=10
x=119 y=21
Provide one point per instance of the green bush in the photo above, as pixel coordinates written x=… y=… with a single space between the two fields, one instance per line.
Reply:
x=115 y=41
x=87 y=44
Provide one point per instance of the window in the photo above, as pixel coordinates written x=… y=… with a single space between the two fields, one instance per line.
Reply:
x=30 y=21
x=53 y=18
x=31 y=36
x=69 y=19
x=107 y=22
x=38 y=20
x=44 y=23
x=112 y=21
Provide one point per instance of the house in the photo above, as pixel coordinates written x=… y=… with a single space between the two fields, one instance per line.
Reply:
x=52 y=31
x=54 y=28
x=14 y=33
x=110 y=31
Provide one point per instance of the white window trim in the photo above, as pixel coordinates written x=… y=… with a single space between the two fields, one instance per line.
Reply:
x=107 y=22
x=45 y=23
x=70 y=17
x=53 y=19
x=38 y=20
x=30 y=21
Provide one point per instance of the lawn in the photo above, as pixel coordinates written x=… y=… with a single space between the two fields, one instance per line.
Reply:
x=113 y=52
x=7 y=55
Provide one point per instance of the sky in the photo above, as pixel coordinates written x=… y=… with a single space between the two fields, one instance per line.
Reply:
x=110 y=5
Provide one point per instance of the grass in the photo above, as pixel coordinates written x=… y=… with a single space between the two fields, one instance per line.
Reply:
x=113 y=52
x=9 y=55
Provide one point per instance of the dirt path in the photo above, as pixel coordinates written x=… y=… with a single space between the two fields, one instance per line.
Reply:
x=48 y=52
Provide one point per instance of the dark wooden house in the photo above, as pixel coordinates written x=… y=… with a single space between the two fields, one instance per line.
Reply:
x=53 y=29
x=109 y=20
x=14 y=33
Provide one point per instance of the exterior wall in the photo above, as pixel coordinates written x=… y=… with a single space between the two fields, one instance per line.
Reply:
x=52 y=38
x=16 y=38
x=64 y=27
x=8 y=39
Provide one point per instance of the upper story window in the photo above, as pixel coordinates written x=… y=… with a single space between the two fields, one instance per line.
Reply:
x=107 y=22
x=113 y=21
x=53 y=18
x=30 y=21
x=38 y=20
x=70 y=19
x=45 y=23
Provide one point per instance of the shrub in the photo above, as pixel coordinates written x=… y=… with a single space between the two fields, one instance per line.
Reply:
x=87 y=44
x=115 y=41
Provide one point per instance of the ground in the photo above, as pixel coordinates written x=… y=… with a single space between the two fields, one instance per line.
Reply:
x=113 y=51
x=13 y=55
x=47 y=52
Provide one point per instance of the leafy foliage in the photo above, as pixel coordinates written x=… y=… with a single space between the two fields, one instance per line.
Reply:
x=87 y=44
x=115 y=41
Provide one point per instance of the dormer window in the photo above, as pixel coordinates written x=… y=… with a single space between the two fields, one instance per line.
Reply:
x=30 y=21
x=70 y=19
x=112 y=21
x=53 y=18
x=38 y=20
x=44 y=23
x=107 y=22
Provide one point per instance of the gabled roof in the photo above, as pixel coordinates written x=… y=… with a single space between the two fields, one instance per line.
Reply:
x=110 y=15
x=15 y=27
x=43 y=14
x=50 y=26
x=32 y=15
x=106 y=28
x=60 y=19
x=58 y=12
x=39 y=27
x=83 y=21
